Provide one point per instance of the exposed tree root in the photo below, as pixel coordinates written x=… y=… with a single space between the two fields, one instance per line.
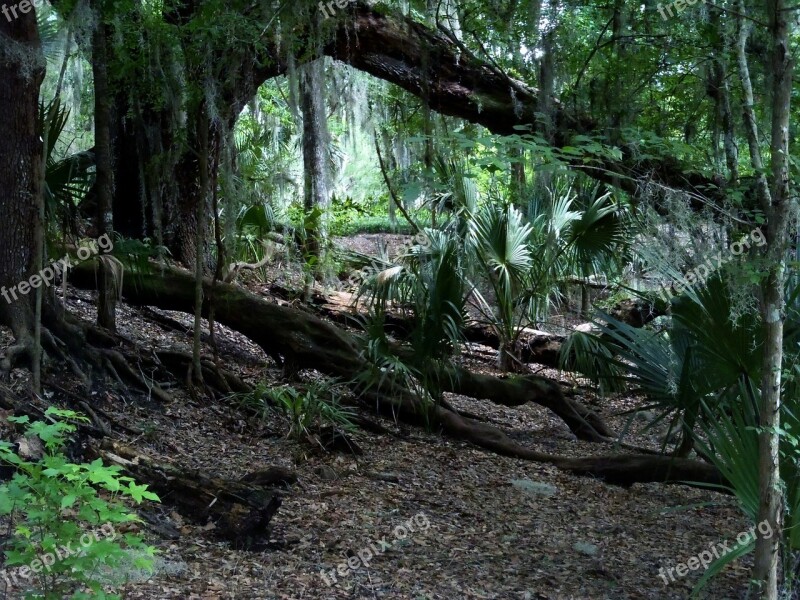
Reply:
x=222 y=380
x=307 y=341
x=516 y=391
x=84 y=347
x=616 y=469
x=123 y=367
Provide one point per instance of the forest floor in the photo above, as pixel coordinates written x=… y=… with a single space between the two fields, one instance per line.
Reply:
x=444 y=519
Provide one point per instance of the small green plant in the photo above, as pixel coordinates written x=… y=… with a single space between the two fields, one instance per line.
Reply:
x=256 y=402
x=63 y=525
x=311 y=408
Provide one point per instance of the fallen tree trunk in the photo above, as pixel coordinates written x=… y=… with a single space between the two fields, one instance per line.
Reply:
x=302 y=340
x=241 y=511
x=534 y=346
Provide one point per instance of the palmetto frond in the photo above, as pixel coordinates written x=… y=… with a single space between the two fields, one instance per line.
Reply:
x=501 y=240
x=596 y=235
x=69 y=178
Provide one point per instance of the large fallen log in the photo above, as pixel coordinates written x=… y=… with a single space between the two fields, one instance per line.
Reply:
x=306 y=341
x=301 y=340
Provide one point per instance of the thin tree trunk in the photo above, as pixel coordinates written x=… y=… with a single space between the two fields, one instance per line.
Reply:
x=203 y=150
x=391 y=166
x=315 y=142
x=776 y=208
x=106 y=297
x=544 y=177
x=750 y=124
x=721 y=94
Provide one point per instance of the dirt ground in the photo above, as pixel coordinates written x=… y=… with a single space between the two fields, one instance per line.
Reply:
x=441 y=519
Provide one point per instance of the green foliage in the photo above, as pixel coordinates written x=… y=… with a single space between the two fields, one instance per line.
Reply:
x=135 y=255
x=730 y=440
x=526 y=263
x=311 y=408
x=428 y=282
x=501 y=242
x=54 y=504
x=704 y=373
x=676 y=368
x=257 y=219
x=67 y=180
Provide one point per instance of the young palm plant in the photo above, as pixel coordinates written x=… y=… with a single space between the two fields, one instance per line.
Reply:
x=675 y=369
x=428 y=282
x=501 y=245
x=525 y=264
x=67 y=179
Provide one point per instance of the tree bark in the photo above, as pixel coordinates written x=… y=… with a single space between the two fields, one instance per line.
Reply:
x=104 y=181
x=720 y=93
x=316 y=193
x=394 y=48
x=21 y=72
x=776 y=205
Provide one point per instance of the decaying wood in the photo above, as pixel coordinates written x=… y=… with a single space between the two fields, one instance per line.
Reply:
x=241 y=511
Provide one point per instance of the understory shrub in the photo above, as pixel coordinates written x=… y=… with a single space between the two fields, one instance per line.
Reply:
x=62 y=515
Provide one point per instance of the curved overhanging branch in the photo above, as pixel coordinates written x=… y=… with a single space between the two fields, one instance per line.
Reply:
x=428 y=64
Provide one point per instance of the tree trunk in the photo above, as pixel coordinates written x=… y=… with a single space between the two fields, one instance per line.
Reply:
x=201 y=125
x=315 y=164
x=720 y=93
x=21 y=73
x=104 y=182
x=776 y=207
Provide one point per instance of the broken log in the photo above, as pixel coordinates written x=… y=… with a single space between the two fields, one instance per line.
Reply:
x=241 y=511
x=307 y=341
